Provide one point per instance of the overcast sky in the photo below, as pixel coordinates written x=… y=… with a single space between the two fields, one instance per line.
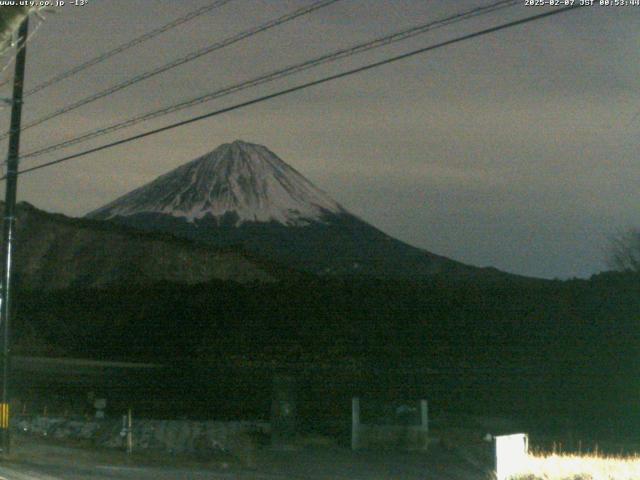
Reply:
x=517 y=150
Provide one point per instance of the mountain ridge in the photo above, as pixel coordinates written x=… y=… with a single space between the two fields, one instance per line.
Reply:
x=56 y=252
x=241 y=178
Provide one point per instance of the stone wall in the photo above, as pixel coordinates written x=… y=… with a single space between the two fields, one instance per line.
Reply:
x=174 y=436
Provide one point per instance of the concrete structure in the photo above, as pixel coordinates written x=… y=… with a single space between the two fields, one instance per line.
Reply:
x=400 y=436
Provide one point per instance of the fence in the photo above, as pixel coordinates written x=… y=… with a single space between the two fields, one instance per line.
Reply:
x=401 y=430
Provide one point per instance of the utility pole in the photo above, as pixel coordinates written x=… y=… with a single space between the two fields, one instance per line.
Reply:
x=8 y=231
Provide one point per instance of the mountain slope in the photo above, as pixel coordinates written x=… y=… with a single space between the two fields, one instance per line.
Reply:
x=243 y=194
x=54 y=252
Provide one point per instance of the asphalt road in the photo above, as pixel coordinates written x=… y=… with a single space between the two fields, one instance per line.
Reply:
x=42 y=461
x=102 y=472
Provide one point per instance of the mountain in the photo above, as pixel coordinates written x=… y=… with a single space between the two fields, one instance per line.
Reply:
x=55 y=252
x=239 y=182
x=244 y=194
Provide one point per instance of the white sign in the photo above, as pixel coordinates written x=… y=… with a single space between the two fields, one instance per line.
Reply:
x=511 y=454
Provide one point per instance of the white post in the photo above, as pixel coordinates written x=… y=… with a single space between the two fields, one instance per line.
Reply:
x=355 y=423
x=424 y=415
x=129 y=432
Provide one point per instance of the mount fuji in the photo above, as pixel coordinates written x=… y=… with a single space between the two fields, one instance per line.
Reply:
x=242 y=194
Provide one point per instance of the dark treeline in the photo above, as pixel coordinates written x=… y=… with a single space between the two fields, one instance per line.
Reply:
x=565 y=347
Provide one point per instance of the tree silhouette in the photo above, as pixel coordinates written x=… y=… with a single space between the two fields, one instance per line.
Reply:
x=624 y=251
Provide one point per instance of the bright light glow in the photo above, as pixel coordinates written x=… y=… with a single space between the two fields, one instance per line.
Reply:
x=511 y=454
x=593 y=467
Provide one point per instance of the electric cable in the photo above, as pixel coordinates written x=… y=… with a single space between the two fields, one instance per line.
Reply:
x=276 y=75
x=176 y=63
x=303 y=86
x=19 y=48
x=126 y=46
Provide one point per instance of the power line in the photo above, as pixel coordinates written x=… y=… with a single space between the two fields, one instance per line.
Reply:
x=180 y=61
x=305 y=85
x=278 y=74
x=126 y=46
x=11 y=20
x=19 y=48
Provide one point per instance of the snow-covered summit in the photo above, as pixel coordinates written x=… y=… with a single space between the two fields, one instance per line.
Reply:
x=239 y=178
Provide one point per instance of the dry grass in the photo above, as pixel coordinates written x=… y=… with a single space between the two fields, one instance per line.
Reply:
x=580 y=467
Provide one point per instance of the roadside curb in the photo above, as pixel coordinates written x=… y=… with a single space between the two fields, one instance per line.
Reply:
x=7 y=473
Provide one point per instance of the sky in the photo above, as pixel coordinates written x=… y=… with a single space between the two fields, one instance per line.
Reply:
x=517 y=150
